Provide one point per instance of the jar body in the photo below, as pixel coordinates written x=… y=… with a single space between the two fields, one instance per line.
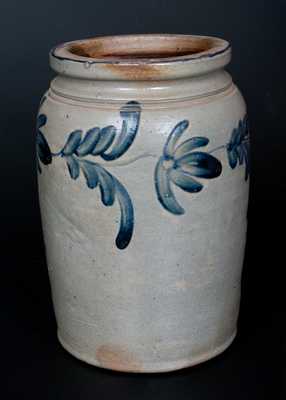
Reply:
x=154 y=287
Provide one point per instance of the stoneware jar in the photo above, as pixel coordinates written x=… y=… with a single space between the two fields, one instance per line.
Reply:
x=143 y=160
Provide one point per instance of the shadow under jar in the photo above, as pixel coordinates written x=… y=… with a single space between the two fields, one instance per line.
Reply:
x=143 y=159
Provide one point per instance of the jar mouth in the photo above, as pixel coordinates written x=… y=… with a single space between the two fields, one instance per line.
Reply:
x=151 y=53
x=138 y=47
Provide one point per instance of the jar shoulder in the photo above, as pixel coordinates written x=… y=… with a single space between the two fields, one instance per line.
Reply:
x=216 y=114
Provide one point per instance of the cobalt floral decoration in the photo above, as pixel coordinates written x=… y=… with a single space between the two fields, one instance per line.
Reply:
x=179 y=164
x=109 y=144
x=43 y=149
x=238 y=146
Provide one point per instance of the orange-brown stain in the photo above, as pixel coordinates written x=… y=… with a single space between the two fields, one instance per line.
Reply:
x=117 y=358
x=89 y=48
x=136 y=71
x=132 y=48
x=118 y=50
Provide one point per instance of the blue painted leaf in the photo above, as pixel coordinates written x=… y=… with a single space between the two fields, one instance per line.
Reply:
x=106 y=186
x=174 y=136
x=190 y=145
x=185 y=180
x=41 y=120
x=200 y=164
x=238 y=135
x=246 y=153
x=89 y=142
x=127 y=216
x=232 y=158
x=89 y=171
x=233 y=139
x=245 y=125
x=163 y=189
x=239 y=153
x=107 y=136
x=131 y=116
x=72 y=143
x=43 y=149
x=73 y=167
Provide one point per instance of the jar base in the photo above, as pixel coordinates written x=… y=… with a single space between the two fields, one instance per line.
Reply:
x=153 y=367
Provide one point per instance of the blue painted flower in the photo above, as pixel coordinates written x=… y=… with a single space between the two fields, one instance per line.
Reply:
x=109 y=144
x=42 y=148
x=238 y=150
x=180 y=164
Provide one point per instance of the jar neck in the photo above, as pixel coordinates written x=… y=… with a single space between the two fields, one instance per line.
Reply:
x=147 y=92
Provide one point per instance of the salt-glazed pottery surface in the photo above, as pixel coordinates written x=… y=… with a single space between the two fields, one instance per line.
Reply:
x=143 y=160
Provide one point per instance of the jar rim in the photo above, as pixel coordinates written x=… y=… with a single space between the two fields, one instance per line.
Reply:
x=140 y=57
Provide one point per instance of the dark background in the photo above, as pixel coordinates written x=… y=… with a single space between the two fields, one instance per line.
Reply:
x=34 y=366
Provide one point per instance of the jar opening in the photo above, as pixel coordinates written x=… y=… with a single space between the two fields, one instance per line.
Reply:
x=140 y=57
x=138 y=47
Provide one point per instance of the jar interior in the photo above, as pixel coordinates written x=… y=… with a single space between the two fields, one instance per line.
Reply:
x=141 y=46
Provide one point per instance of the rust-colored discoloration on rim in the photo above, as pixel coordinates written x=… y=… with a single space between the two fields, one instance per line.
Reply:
x=87 y=48
x=134 y=71
x=133 y=48
x=140 y=57
x=117 y=358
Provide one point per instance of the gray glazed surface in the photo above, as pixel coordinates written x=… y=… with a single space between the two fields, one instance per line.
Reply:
x=166 y=294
